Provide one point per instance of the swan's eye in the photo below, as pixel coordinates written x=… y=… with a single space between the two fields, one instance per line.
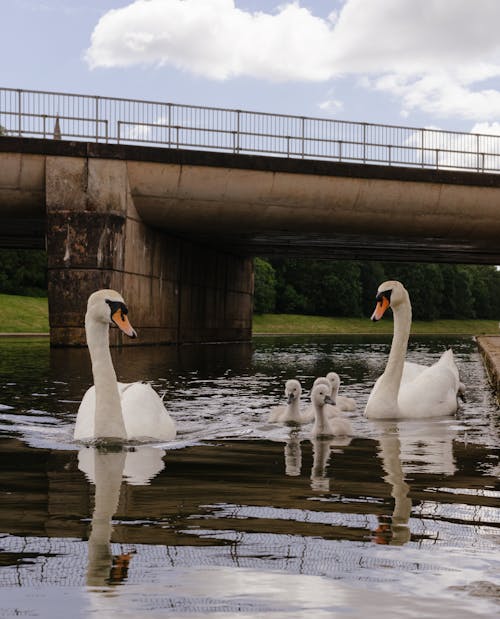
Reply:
x=386 y=294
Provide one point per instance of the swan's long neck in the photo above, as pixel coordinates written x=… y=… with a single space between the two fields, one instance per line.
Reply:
x=108 y=411
x=294 y=410
x=391 y=378
x=321 y=425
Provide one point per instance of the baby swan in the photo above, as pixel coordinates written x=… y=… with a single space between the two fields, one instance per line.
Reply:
x=325 y=426
x=343 y=402
x=289 y=412
x=331 y=410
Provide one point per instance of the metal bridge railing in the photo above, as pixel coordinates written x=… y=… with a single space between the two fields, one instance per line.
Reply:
x=31 y=113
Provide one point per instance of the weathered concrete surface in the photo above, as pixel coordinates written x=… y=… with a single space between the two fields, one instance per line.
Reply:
x=258 y=205
x=489 y=347
x=177 y=291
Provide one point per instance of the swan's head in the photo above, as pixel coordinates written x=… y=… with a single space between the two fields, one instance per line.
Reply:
x=108 y=307
x=334 y=380
x=320 y=395
x=292 y=390
x=321 y=380
x=389 y=294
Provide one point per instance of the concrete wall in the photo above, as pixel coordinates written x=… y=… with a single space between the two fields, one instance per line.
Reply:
x=176 y=291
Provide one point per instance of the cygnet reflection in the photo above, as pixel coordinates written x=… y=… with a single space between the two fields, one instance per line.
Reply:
x=322 y=449
x=293 y=454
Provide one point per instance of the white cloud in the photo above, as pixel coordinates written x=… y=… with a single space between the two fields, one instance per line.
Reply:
x=331 y=106
x=432 y=55
x=215 y=39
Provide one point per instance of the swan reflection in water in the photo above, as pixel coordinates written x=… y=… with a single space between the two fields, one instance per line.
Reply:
x=407 y=447
x=106 y=470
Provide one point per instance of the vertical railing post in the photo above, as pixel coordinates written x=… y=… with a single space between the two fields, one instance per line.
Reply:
x=19 y=112
x=169 y=123
x=364 y=142
x=340 y=150
x=118 y=131
x=96 y=118
x=389 y=148
x=437 y=158
x=422 y=146
x=303 y=132
x=238 y=119
x=477 y=152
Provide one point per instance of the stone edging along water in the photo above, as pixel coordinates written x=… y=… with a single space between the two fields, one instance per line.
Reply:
x=489 y=347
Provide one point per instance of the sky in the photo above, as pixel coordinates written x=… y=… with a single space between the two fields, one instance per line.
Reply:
x=418 y=63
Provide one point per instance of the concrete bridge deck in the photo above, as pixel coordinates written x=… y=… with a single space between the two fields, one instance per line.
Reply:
x=256 y=205
x=177 y=229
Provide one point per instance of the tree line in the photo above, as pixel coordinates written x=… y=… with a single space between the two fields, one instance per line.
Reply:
x=348 y=288
x=322 y=287
x=23 y=272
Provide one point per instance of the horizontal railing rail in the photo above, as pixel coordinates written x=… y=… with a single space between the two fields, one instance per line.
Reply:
x=32 y=113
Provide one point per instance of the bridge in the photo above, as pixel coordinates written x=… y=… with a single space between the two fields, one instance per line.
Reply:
x=169 y=203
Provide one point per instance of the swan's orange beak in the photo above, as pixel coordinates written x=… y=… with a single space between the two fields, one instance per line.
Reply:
x=382 y=304
x=122 y=322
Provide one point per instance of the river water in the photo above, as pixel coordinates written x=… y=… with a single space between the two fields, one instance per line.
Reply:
x=238 y=516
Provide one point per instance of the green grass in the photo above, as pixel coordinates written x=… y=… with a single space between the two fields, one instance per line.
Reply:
x=30 y=315
x=23 y=314
x=276 y=324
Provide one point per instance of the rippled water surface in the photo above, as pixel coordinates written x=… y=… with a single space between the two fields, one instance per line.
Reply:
x=238 y=516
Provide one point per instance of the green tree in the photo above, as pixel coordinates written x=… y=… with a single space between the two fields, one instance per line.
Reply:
x=425 y=284
x=23 y=272
x=264 y=287
x=372 y=274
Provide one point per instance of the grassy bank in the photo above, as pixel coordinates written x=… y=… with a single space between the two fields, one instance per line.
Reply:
x=30 y=315
x=289 y=323
x=23 y=314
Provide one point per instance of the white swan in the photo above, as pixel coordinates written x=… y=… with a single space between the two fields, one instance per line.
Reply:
x=343 y=402
x=425 y=391
x=323 y=425
x=111 y=410
x=289 y=412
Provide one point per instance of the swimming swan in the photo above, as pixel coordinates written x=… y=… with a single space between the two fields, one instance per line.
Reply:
x=111 y=410
x=323 y=425
x=342 y=401
x=415 y=391
x=289 y=412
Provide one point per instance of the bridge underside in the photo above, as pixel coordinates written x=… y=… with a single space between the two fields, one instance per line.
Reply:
x=177 y=230
x=357 y=247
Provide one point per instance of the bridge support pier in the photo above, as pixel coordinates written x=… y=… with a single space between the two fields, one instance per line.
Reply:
x=176 y=291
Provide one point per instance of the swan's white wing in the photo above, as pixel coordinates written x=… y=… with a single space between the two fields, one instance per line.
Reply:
x=344 y=403
x=411 y=371
x=144 y=414
x=433 y=392
x=277 y=413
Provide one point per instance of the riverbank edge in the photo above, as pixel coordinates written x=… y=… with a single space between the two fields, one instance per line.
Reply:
x=489 y=347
